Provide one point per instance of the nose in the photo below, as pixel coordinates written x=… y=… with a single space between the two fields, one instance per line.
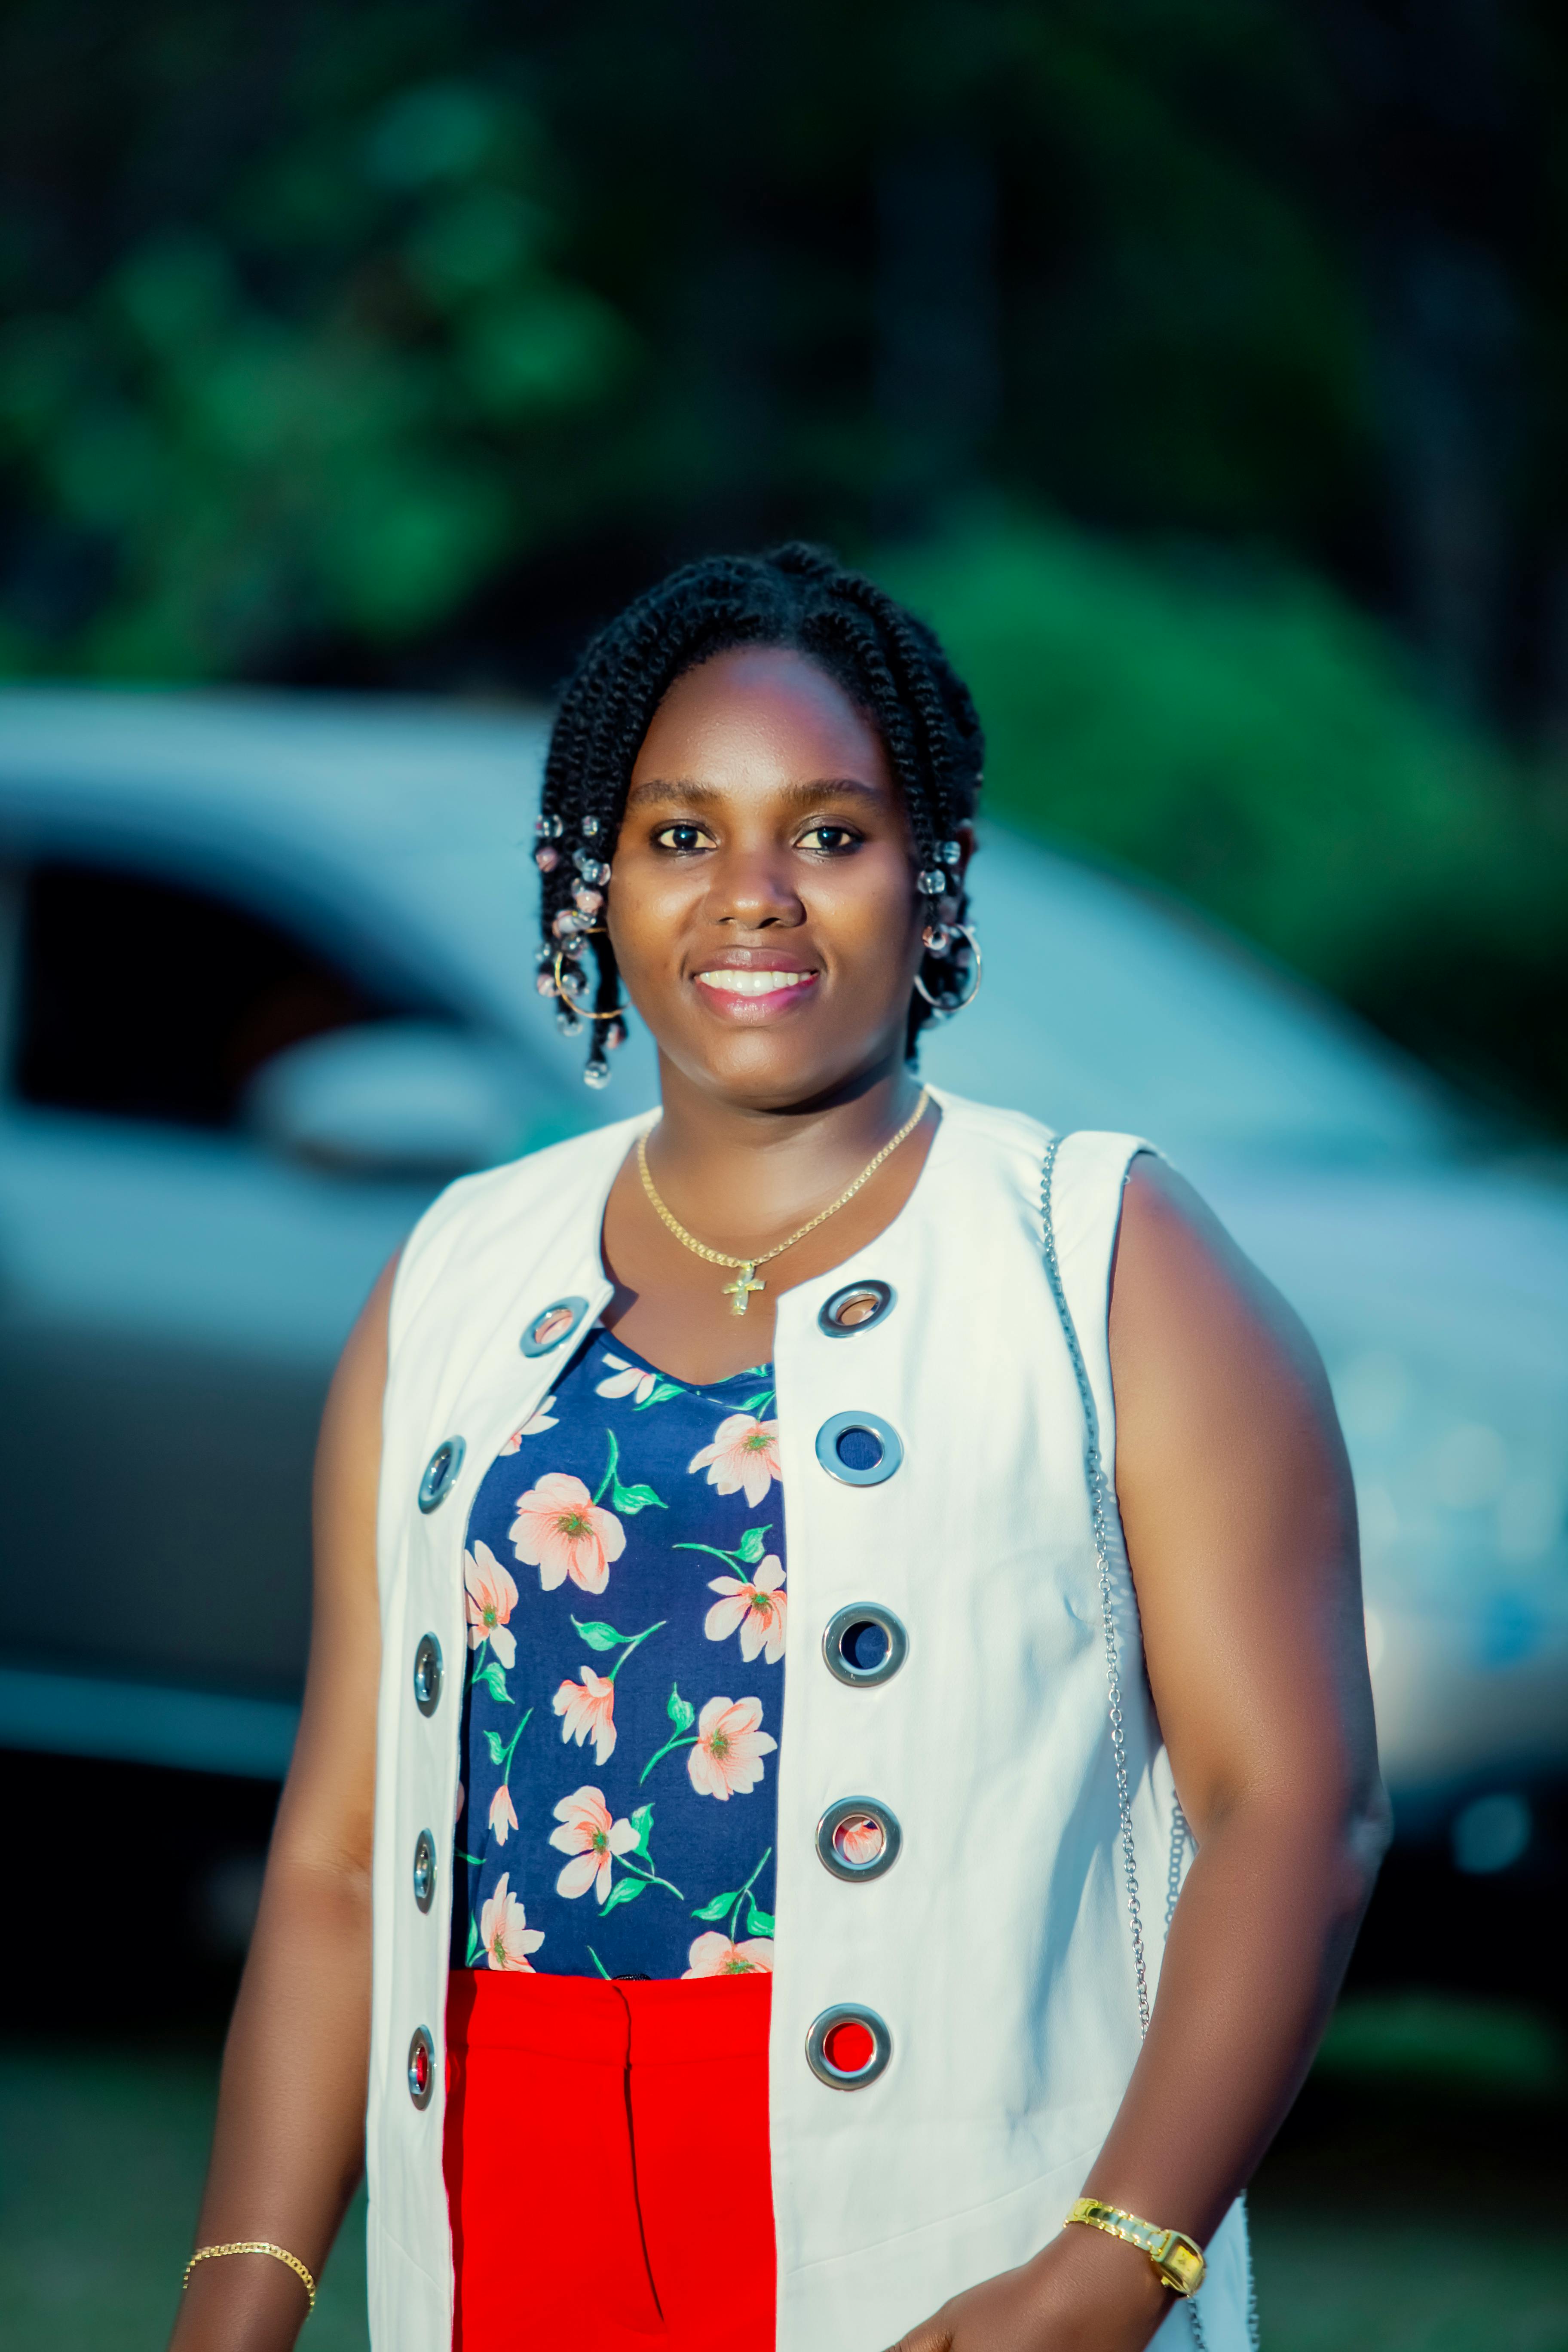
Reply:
x=753 y=889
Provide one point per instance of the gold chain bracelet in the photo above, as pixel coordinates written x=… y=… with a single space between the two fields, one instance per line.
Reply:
x=254 y=2246
x=1178 y=2262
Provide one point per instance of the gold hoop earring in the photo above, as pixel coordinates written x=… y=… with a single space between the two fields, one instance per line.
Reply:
x=571 y=1002
x=944 y=1012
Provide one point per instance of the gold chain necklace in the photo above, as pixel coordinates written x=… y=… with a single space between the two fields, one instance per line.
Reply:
x=739 y=1290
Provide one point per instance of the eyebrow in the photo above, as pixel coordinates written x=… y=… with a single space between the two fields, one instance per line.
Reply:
x=689 y=793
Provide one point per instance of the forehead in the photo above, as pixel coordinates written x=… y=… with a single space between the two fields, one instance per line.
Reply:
x=756 y=714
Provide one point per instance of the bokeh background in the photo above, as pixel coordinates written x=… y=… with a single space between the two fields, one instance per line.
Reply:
x=1199 y=366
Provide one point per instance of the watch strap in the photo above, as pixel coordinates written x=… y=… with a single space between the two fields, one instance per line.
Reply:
x=1177 y=2260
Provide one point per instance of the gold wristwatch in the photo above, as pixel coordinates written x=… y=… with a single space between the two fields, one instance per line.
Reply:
x=1178 y=2263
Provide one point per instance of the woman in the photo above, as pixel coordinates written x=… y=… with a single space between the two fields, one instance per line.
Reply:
x=720 y=2016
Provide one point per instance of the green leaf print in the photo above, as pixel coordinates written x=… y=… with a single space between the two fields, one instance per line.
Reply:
x=604 y=1638
x=496 y=1746
x=624 y=1890
x=494 y=1681
x=629 y=1499
x=750 y=1549
x=598 y=1635
x=728 y=1907
x=757 y=1403
x=660 y=1394
x=680 y=1711
x=475 y=1946
x=642 y=1821
x=633 y=1499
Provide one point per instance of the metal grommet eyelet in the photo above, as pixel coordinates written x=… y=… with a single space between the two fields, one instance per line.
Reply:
x=441 y=1473
x=427 y=1675
x=875 y=1441
x=421 y=2067
x=863 y=1645
x=857 y=1307
x=423 y=1870
x=553 y=1324
x=858 y=1839
x=841 y=2034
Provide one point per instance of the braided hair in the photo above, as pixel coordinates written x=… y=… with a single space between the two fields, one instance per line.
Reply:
x=890 y=663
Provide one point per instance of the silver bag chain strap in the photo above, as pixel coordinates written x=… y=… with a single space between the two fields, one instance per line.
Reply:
x=1094 y=1469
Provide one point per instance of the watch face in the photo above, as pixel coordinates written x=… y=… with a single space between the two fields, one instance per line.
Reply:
x=1182 y=2265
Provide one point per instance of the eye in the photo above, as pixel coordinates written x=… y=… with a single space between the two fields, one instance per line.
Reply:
x=682 y=839
x=831 y=840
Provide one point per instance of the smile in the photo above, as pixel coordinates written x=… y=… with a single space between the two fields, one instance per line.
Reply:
x=737 y=980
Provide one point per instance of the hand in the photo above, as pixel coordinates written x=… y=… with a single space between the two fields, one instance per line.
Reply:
x=1085 y=2292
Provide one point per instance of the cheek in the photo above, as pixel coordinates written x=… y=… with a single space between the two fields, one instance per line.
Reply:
x=868 y=909
x=648 y=911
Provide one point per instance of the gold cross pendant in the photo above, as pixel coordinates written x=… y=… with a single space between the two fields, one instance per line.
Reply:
x=739 y=1288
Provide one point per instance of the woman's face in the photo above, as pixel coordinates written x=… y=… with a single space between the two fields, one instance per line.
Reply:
x=762 y=909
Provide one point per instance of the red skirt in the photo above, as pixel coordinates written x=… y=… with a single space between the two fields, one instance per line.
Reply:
x=607 y=2168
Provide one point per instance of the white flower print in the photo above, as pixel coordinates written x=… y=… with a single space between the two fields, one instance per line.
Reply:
x=757 y=1608
x=625 y=1380
x=744 y=1458
x=538 y=1422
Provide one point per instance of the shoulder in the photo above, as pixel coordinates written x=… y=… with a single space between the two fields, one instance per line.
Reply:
x=1189 y=1309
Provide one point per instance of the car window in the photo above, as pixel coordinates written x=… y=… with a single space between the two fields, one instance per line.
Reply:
x=140 y=997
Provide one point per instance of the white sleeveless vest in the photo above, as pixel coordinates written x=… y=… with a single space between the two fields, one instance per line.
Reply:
x=997 y=1949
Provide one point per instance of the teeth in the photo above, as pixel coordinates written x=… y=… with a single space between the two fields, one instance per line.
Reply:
x=739 y=982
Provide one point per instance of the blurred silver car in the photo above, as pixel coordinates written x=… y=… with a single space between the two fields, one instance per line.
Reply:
x=267 y=979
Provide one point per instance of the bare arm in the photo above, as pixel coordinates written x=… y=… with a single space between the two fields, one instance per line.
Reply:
x=289 y=2144
x=1240 y=1518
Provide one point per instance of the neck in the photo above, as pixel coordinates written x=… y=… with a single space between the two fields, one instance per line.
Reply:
x=748 y=1169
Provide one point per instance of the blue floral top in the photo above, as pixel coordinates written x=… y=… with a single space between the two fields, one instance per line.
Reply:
x=625 y=1575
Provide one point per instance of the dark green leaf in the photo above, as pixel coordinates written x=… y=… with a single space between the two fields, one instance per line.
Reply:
x=624 y=1890
x=682 y=1713
x=716 y=1909
x=475 y=1946
x=751 y=1546
x=598 y=1635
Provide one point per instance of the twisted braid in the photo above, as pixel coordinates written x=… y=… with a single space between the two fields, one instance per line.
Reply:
x=796 y=596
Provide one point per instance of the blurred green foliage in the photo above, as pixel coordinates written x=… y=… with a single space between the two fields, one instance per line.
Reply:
x=1249 y=739
x=333 y=406
x=1238 y=731
x=1498 y=2047
x=321 y=327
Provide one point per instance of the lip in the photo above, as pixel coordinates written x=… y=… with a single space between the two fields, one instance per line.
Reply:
x=751 y=1011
